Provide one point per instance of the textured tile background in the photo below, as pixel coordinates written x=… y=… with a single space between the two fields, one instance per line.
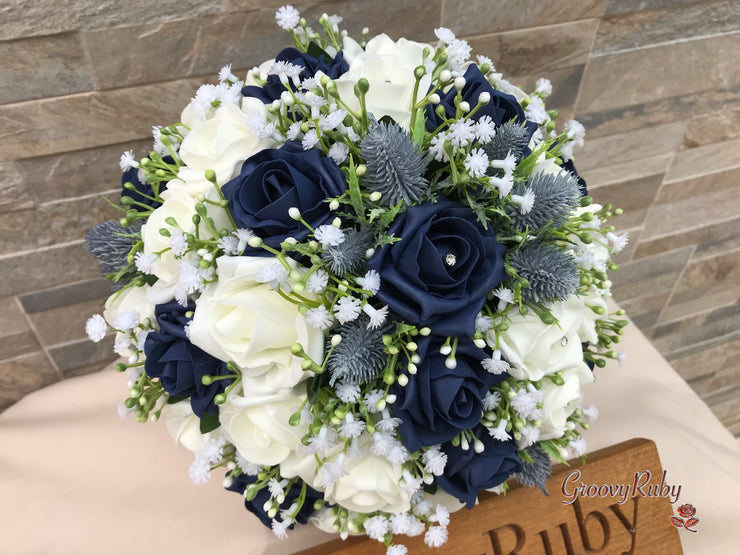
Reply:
x=656 y=82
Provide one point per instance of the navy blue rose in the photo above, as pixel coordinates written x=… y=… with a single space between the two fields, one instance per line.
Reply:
x=131 y=175
x=256 y=505
x=502 y=108
x=180 y=365
x=311 y=65
x=468 y=472
x=438 y=403
x=440 y=271
x=581 y=182
x=275 y=180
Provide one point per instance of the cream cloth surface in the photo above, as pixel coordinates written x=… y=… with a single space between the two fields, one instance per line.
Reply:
x=76 y=479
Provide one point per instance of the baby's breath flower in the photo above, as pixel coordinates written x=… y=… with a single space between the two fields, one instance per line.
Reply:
x=530 y=435
x=444 y=34
x=319 y=317
x=347 y=393
x=575 y=131
x=578 y=446
x=435 y=536
x=591 y=413
x=310 y=139
x=332 y=120
x=543 y=86
x=370 y=281
x=96 y=328
x=178 y=242
x=483 y=323
x=229 y=244
x=329 y=236
x=491 y=400
x=347 y=309
x=535 y=110
x=294 y=131
x=476 y=163
x=376 y=527
x=338 y=152
x=144 y=263
x=485 y=129
x=499 y=432
x=462 y=133
x=287 y=17
x=317 y=281
x=128 y=161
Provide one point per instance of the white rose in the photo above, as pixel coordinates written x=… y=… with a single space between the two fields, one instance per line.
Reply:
x=447 y=500
x=257 y=424
x=131 y=299
x=587 y=328
x=371 y=484
x=223 y=142
x=241 y=320
x=560 y=401
x=262 y=69
x=389 y=66
x=180 y=206
x=505 y=86
x=534 y=349
x=183 y=426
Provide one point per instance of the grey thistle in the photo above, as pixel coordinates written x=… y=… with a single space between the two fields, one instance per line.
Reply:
x=394 y=165
x=509 y=137
x=552 y=273
x=359 y=356
x=555 y=196
x=110 y=244
x=349 y=256
x=537 y=472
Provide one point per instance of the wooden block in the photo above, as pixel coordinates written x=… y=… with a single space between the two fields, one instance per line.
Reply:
x=624 y=507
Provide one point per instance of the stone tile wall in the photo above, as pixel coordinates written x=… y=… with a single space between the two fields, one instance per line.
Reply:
x=656 y=82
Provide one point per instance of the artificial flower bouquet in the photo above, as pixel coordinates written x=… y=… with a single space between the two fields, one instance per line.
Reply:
x=366 y=281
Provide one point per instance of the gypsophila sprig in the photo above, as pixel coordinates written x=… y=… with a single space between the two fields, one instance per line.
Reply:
x=345 y=269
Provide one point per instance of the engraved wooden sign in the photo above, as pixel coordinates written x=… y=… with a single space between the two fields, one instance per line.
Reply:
x=619 y=502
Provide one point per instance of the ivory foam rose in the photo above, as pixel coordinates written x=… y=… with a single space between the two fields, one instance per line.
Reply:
x=241 y=320
x=388 y=66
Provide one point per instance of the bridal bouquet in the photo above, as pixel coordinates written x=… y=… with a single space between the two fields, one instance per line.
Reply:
x=366 y=281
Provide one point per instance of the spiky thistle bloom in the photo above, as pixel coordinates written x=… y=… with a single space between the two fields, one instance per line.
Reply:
x=537 y=472
x=394 y=164
x=555 y=196
x=109 y=244
x=349 y=256
x=552 y=273
x=359 y=356
x=509 y=137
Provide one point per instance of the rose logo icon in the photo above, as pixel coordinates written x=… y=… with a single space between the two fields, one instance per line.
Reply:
x=687 y=511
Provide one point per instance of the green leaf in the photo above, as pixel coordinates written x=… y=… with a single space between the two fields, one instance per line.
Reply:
x=317 y=52
x=526 y=166
x=553 y=451
x=419 y=130
x=375 y=212
x=390 y=215
x=355 y=196
x=314 y=385
x=208 y=423
x=175 y=399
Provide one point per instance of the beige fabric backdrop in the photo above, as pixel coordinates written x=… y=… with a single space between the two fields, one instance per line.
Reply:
x=76 y=479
